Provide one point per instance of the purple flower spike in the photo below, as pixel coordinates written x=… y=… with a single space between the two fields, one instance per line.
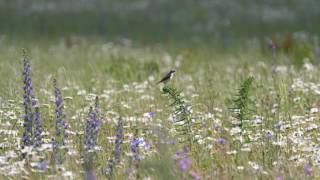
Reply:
x=61 y=123
x=28 y=98
x=92 y=127
x=135 y=148
x=31 y=110
x=116 y=159
x=134 y=144
x=119 y=141
x=38 y=134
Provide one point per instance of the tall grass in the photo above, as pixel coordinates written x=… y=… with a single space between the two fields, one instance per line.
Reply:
x=280 y=132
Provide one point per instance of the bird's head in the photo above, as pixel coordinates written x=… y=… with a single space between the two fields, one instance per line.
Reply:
x=172 y=71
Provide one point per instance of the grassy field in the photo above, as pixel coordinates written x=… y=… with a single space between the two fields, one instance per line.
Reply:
x=266 y=129
x=82 y=100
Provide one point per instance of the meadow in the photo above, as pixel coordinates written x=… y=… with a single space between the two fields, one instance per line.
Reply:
x=225 y=115
x=80 y=99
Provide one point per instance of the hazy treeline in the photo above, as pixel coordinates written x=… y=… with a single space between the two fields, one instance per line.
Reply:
x=157 y=19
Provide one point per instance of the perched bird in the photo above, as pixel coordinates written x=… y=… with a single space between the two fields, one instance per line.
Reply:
x=166 y=78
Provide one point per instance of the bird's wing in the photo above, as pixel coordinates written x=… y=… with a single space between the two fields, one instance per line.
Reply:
x=164 y=78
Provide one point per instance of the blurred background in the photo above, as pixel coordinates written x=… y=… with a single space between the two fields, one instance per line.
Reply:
x=160 y=21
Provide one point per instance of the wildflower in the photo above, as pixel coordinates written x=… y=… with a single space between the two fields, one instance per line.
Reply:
x=279 y=126
x=195 y=175
x=134 y=148
x=68 y=174
x=135 y=159
x=182 y=116
x=90 y=175
x=28 y=103
x=308 y=169
x=38 y=134
x=92 y=127
x=119 y=140
x=42 y=165
x=273 y=46
x=180 y=153
x=222 y=141
x=269 y=135
x=92 y=130
x=255 y=166
x=61 y=123
x=241 y=104
x=240 y=168
x=151 y=114
x=116 y=159
x=185 y=163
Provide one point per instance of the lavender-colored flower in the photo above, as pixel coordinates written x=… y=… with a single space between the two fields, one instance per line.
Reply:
x=184 y=160
x=152 y=114
x=90 y=175
x=135 y=148
x=222 y=141
x=28 y=103
x=119 y=141
x=88 y=136
x=61 y=123
x=180 y=154
x=269 y=135
x=134 y=144
x=308 y=169
x=118 y=148
x=185 y=163
x=38 y=133
x=92 y=127
x=195 y=175
x=42 y=165
x=273 y=46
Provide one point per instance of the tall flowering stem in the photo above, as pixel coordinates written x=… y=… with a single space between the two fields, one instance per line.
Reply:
x=38 y=132
x=61 y=123
x=134 y=146
x=116 y=159
x=273 y=46
x=28 y=103
x=119 y=141
x=93 y=125
x=241 y=103
x=182 y=116
x=135 y=159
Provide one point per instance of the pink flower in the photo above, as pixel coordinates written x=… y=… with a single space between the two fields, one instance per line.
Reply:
x=185 y=163
x=195 y=175
x=308 y=169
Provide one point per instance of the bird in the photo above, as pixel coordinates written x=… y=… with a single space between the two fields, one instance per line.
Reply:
x=167 y=77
